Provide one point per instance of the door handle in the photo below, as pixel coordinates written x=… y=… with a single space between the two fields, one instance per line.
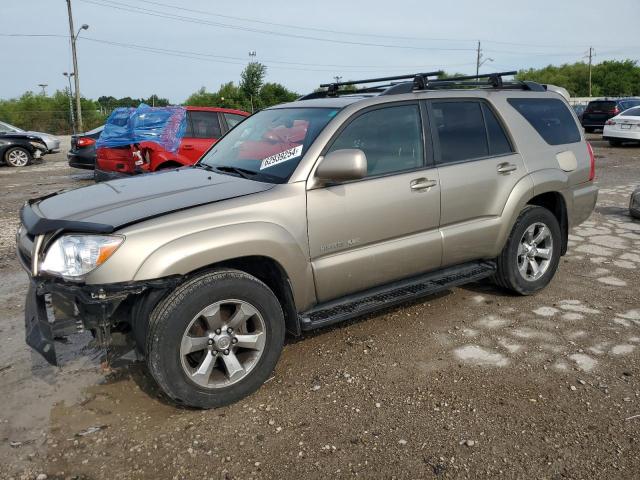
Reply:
x=188 y=147
x=422 y=184
x=506 y=167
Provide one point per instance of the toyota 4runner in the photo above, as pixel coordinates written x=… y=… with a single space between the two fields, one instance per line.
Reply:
x=307 y=214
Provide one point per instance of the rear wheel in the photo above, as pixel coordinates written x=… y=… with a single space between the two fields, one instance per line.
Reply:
x=215 y=339
x=17 y=157
x=530 y=258
x=615 y=142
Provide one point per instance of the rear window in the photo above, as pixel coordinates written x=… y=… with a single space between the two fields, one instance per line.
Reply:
x=550 y=117
x=601 y=106
x=632 y=112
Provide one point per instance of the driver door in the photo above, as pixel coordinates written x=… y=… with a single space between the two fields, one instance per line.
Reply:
x=384 y=227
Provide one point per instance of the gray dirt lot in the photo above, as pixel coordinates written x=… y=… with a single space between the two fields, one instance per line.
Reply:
x=473 y=383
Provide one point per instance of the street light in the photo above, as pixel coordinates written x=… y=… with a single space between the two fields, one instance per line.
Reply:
x=73 y=120
x=43 y=86
x=74 y=37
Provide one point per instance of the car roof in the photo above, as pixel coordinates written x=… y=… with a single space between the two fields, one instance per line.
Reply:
x=216 y=109
x=327 y=102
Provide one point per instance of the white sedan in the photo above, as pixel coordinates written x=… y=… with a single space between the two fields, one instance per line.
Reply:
x=624 y=127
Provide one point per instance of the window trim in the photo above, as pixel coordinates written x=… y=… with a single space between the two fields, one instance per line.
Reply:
x=436 y=139
x=427 y=154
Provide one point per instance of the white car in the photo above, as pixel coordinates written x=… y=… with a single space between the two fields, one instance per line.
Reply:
x=52 y=142
x=624 y=127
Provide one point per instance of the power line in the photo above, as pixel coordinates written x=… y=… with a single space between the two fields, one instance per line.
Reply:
x=154 y=13
x=241 y=60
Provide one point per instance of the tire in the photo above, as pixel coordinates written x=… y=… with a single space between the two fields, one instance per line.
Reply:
x=614 y=143
x=18 y=157
x=178 y=326
x=509 y=275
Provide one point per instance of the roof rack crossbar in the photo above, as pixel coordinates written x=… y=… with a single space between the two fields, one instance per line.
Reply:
x=421 y=81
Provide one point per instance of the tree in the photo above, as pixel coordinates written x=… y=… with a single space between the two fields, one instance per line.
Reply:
x=611 y=78
x=251 y=80
x=274 y=93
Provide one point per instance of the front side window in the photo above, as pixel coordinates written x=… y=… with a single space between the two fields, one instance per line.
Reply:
x=390 y=137
x=460 y=130
x=268 y=145
x=550 y=117
x=204 y=125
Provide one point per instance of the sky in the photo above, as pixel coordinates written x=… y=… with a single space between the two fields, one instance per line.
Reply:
x=173 y=47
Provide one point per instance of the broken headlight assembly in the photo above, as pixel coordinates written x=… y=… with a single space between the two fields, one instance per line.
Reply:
x=73 y=256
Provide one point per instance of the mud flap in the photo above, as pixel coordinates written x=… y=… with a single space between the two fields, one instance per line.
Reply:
x=38 y=330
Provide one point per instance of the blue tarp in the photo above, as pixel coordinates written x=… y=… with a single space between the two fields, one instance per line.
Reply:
x=127 y=126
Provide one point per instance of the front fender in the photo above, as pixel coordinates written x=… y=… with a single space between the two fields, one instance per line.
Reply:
x=202 y=249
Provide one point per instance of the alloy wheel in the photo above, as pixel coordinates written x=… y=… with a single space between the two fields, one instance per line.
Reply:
x=18 y=158
x=535 y=251
x=222 y=343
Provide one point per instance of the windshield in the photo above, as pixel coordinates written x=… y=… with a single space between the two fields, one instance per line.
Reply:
x=632 y=112
x=7 y=128
x=268 y=145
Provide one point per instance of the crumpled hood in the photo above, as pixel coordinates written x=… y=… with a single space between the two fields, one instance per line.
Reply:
x=125 y=201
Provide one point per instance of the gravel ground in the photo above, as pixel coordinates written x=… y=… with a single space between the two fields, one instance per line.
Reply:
x=473 y=383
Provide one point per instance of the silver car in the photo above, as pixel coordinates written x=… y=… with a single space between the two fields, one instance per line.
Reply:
x=52 y=142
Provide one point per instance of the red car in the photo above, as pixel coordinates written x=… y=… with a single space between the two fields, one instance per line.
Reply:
x=205 y=126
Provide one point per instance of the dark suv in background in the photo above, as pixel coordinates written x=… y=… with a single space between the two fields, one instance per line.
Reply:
x=599 y=111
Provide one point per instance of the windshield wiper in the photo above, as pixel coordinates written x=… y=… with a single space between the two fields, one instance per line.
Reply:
x=241 y=172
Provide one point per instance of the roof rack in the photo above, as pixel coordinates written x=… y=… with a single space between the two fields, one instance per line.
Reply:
x=422 y=81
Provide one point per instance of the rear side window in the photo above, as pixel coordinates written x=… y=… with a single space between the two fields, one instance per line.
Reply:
x=498 y=142
x=233 y=119
x=204 y=125
x=550 y=117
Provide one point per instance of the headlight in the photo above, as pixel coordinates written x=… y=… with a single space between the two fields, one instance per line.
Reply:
x=38 y=145
x=77 y=255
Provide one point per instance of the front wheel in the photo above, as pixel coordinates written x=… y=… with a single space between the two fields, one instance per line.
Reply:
x=18 y=157
x=215 y=339
x=530 y=258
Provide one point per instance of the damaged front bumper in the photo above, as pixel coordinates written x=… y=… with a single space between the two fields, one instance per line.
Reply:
x=55 y=309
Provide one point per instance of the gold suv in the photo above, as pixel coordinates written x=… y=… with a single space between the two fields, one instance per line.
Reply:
x=306 y=214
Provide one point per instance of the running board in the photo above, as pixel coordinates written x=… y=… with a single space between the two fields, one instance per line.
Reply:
x=393 y=294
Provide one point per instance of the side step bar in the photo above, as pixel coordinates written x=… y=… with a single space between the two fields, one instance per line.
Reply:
x=395 y=293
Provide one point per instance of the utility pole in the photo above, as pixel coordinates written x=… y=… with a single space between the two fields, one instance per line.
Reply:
x=479 y=59
x=75 y=63
x=73 y=120
x=591 y=54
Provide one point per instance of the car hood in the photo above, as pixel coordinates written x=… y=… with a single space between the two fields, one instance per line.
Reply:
x=107 y=206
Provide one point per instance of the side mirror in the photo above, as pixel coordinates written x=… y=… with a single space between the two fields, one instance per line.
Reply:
x=343 y=165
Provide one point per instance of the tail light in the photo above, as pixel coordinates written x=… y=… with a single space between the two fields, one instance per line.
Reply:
x=592 y=160
x=616 y=110
x=610 y=122
x=85 y=141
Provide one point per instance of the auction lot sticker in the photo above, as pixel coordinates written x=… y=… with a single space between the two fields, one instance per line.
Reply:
x=281 y=157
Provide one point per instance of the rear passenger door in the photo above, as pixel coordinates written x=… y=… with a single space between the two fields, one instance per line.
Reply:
x=478 y=168
x=203 y=130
